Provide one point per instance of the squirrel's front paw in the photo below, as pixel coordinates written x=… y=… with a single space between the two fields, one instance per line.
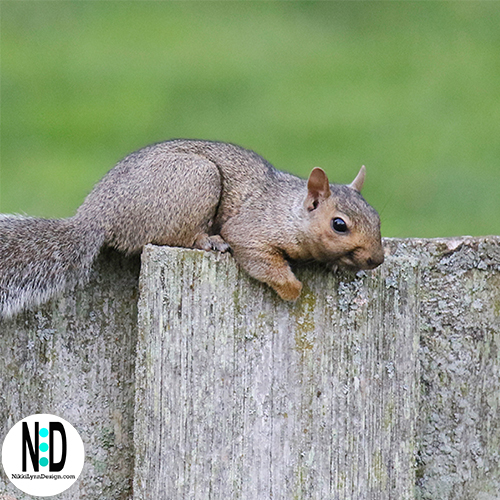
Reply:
x=207 y=243
x=289 y=290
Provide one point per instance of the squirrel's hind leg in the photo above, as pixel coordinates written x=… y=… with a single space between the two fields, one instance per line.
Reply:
x=205 y=242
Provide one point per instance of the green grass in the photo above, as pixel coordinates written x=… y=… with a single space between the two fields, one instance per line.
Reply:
x=411 y=89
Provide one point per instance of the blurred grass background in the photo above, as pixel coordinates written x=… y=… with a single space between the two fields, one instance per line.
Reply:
x=411 y=89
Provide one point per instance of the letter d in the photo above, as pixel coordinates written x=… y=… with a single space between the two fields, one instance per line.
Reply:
x=57 y=427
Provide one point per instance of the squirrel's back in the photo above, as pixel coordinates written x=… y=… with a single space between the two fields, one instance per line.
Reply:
x=168 y=175
x=169 y=192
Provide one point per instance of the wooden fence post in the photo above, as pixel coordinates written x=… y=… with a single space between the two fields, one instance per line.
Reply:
x=243 y=396
x=75 y=357
x=381 y=385
x=458 y=426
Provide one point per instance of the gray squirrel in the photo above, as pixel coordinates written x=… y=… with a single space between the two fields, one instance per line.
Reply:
x=193 y=194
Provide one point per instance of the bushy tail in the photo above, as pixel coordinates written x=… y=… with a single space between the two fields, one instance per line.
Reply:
x=40 y=258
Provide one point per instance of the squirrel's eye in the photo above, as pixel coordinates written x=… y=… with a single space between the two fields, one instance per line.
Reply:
x=339 y=225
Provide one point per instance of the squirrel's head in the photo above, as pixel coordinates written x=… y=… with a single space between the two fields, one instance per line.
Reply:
x=343 y=228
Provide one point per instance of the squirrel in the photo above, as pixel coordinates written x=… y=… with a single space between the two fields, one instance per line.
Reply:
x=193 y=194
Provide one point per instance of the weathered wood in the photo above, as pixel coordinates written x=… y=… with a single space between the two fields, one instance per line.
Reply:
x=458 y=428
x=75 y=358
x=367 y=386
x=241 y=395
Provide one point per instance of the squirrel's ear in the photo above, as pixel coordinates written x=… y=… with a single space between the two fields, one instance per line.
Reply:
x=357 y=183
x=318 y=188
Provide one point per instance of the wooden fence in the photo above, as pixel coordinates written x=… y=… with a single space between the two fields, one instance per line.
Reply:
x=189 y=380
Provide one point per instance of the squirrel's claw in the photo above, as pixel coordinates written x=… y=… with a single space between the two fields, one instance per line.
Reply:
x=207 y=243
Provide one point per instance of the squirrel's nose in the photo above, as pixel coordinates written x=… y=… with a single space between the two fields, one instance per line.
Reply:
x=375 y=261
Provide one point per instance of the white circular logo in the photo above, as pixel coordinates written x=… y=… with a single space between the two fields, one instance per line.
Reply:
x=43 y=455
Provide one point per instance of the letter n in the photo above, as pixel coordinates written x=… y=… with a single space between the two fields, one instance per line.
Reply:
x=34 y=452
